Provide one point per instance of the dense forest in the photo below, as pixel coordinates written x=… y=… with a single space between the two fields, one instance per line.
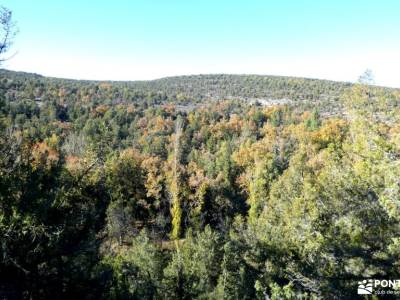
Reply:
x=183 y=188
x=212 y=86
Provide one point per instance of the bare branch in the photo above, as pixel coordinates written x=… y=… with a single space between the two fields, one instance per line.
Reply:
x=8 y=31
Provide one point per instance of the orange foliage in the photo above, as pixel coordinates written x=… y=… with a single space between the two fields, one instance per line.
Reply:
x=43 y=155
x=130 y=109
x=105 y=86
x=332 y=131
x=101 y=109
x=72 y=163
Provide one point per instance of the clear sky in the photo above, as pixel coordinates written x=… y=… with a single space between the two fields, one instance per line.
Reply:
x=146 y=39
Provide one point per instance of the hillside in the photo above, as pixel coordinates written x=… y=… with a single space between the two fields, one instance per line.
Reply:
x=213 y=86
x=247 y=86
x=219 y=86
x=185 y=91
x=186 y=188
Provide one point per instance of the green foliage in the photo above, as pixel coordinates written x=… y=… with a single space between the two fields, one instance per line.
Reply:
x=194 y=268
x=49 y=219
x=162 y=190
x=312 y=123
x=134 y=273
x=175 y=189
x=235 y=280
x=176 y=210
x=287 y=292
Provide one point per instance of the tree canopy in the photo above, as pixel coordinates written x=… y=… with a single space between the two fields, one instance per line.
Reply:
x=108 y=191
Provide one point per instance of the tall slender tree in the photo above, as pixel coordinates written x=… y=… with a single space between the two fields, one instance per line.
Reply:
x=176 y=209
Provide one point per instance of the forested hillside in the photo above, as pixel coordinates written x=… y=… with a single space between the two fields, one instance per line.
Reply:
x=187 y=92
x=217 y=86
x=183 y=188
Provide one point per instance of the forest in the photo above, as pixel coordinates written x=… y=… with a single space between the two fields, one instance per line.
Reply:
x=208 y=186
x=183 y=188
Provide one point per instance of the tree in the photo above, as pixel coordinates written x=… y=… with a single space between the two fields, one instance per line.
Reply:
x=367 y=77
x=134 y=273
x=234 y=281
x=195 y=265
x=7 y=31
x=334 y=210
x=175 y=189
x=125 y=179
x=48 y=221
x=119 y=221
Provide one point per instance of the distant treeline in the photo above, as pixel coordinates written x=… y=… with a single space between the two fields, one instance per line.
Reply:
x=202 y=86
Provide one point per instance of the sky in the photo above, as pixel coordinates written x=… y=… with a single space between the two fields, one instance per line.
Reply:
x=148 y=39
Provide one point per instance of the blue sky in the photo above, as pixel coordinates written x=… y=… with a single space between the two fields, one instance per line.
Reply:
x=146 y=39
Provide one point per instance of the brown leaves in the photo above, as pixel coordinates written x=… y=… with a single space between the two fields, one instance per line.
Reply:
x=44 y=155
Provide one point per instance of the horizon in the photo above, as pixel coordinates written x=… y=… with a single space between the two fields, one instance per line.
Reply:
x=137 y=41
x=199 y=149
x=183 y=75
